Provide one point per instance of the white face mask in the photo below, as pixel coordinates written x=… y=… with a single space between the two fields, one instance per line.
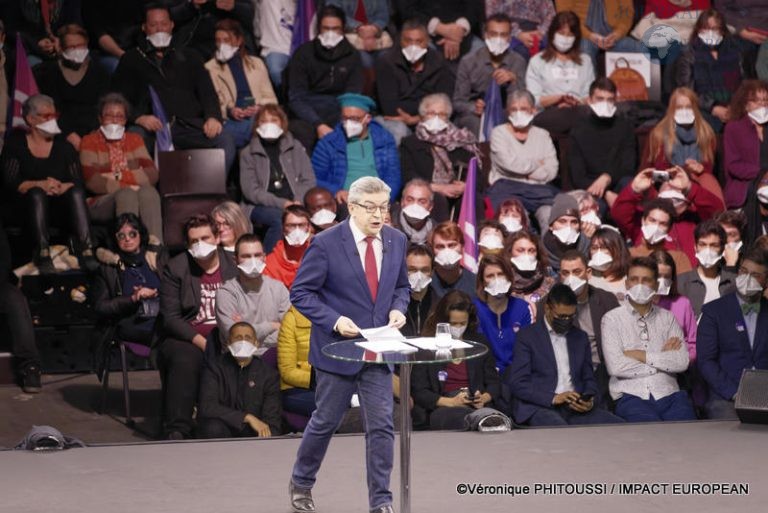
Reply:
x=575 y=283
x=653 y=234
x=759 y=115
x=330 y=38
x=592 y=218
x=665 y=285
x=747 y=286
x=711 y=37
x=641 y=294
x=269 y=131
x=684 y=116
x=512 y=224
x=242 y=349
x=603 y=109
x=566 y=235
x=160 y=40
x=563 y=43
x=497 y=45
x=252 y=267
x=498 y=287
x=226 y=52
x=600 y=261
x=447 y=257
x=416 y=211
x=708 y=258
x=50 y=127
x=457 y=331
x=323 y=217
x=419 y=281
x=520 y=119
x=413 y=53
x=525 y=262
x=76 y=55
x=112 y=131
x=201 y=250
x=297 y=237
x=435 y=125
x=491 y=241
x=352 y=128
x=735 y=246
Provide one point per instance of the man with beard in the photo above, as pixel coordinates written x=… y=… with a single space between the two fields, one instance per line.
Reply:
x=414 y=217
x=564 y=230
x=322 y=207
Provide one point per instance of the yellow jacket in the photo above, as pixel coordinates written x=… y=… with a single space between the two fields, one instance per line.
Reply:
x=293 y=351
x=618 y=13
x=224 y=82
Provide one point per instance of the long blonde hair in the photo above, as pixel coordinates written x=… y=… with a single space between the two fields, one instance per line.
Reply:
x=663 y=134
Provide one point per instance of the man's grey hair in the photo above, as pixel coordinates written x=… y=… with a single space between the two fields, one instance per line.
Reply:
x=366 y=185
x=33 y=104
x=419 y=182
x=521 y=94
x=434 y=98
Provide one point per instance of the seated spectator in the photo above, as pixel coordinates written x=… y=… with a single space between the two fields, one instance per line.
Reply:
x=275 y=28
x=608 y=259
x=114 y=26
x=495 y=61
x=512 y=214
x=126 y=291
x=569 y=395
x=357 y=147
x=683 y=138
x=197 y=22
x=73 y=81
x=284 y=259
x=232 y=224
x=240 y=81
x=418 y=259
x=117 y=170
x=732 y=335
x=366 y=28
x=450 y=391
x=500 y=314
x=183 y=86
x=41 y=174
x=523 y=160
x=530 y=22
x=602 y=150
x=405 y=74
x=15 y=315
x=447 y=244
x=414 y=216
x=691 y=204
x=490 y=238
x=756 y=211
x=750 y=23
x=559 y=77
x=589 y=210
x=275 y=172
x=239 y=393
x=297 y=384
x=322 y=207
x=532 y=275
x=37 y=28
x=644 y=350
x=671 y=297
x=188 y=304
x=319 y=71
x=734 y=223
x=710 y=64
x=744 y=139
x=563 y=230
x=658 y=220
x=438 y=152
x=252 y=296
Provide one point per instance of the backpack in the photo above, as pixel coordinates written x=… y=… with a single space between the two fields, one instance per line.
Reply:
x=630 y=84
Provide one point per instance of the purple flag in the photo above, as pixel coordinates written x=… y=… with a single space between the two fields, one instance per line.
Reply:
x=302 y=23
x=493 y=114
x=467 y=218
x=25 y=85
x=163 y=140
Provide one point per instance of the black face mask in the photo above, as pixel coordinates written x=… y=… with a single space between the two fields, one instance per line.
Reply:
x=561 y=326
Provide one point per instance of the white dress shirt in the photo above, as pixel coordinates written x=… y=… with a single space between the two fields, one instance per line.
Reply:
x=560 y=346
x=362 y=246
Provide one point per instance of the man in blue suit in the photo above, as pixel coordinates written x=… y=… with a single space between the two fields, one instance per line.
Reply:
x=551 y=377
x=733 y=335
x=353 y=276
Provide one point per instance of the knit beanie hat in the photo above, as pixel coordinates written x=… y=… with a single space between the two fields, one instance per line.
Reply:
x=564 y=205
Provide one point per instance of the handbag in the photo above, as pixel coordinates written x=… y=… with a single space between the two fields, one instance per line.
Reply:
x=630 y=84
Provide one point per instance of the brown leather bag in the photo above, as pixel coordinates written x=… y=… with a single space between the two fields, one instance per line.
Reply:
x=630 y=84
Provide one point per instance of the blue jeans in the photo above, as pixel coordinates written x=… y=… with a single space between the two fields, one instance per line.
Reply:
x=276 y=63
x=299 y=400
x=240 y=131
x=272 y=218
x=563 y=416
x=373 y=384
x=675 y=406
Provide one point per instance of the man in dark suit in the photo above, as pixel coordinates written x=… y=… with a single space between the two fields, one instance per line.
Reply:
x=551 y=375
x=353 y=276
x=733 y=335
x=188 y=315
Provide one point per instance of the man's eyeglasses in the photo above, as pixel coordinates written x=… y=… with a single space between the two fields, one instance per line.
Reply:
x=121 y=236
x=643 y=325
x=370 y=209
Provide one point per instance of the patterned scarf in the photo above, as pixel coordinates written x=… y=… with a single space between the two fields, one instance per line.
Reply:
x=526 y=282
x=118 y=163
x=416 y=236
x=685 y=147
x=444 y=142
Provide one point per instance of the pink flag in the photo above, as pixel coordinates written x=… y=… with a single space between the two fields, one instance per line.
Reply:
x=467 y=218
x=25 y=85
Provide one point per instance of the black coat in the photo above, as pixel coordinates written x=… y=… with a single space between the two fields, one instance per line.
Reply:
x=418 y=161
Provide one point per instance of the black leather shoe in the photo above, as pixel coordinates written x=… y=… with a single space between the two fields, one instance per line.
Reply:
x=301 y=499
x=383 y=509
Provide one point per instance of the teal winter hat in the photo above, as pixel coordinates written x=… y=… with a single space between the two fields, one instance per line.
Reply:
x=356 y=100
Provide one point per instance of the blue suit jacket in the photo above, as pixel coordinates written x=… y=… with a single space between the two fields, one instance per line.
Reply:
x=532 y=375
x=331 y=283
x=722 y=349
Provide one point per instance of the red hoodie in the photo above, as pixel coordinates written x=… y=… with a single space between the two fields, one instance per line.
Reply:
x=279 y=267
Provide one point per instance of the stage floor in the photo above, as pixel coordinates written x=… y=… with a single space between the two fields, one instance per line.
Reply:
x=252 y=475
